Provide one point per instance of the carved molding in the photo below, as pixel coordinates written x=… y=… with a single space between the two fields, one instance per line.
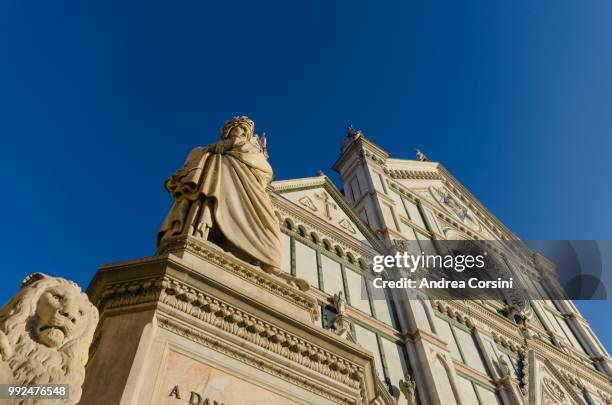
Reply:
x=606 y=397
x=554 y=387
x=250 y=359
x=476 y=207
x=398 y=174
x=508 y=335
x=445 y=309
x=195 y=303
x=348 y=244
x=243 y=270
x=552 y=392
x=509 y=344
x=366 y=154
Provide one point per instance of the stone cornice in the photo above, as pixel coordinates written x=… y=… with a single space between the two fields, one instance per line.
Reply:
x=402 y=174
x=473 y=374
x=213 y=342
x=303 y=183
x=421 y=334
x=170 y=294
x=244 y=270
x=459 y=190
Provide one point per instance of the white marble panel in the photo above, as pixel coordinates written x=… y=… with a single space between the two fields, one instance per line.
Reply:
x=306 y=264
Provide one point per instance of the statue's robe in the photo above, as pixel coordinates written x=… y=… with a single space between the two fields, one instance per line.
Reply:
x=6 y=374
x=236 y=181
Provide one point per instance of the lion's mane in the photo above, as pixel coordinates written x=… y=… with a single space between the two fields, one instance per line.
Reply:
x=34 y=363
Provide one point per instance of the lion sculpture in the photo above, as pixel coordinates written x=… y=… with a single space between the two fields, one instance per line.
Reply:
x=45 y=333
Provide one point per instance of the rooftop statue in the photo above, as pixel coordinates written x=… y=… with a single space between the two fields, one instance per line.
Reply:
x=220 y=195
x=421 y=156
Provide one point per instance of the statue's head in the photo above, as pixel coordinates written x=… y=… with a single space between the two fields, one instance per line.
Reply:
x=238 y=127
x=49 y=324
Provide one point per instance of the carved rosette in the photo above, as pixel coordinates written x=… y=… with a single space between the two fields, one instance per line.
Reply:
x=552 y=392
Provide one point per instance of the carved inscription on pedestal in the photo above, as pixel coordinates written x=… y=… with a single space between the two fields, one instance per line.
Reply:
x=190 y=382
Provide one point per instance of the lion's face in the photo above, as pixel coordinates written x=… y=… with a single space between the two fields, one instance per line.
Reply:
x=61 y=316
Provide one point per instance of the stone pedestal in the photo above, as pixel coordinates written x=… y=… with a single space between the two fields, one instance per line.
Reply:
x=195 y=324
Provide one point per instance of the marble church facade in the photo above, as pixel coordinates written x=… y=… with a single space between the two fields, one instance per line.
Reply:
x=194 y=324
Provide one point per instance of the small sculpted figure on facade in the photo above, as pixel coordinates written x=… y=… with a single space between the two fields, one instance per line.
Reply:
x=408 y=387
x=339 y=303
x=520 y=313
x=341 y=323
x=45 y=333
x=220 y=195
x=504 y=368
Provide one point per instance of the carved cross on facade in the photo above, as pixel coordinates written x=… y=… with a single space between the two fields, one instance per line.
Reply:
x=327 y=204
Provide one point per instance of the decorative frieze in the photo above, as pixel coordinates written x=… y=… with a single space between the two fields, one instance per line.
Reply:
x=412 y=174
x=210 y=310
x=358 y=252
x=243 y=270
x=445 y=309
x=247 y=357
x=605 y=397
x=552 y=392
x=509 y=344
x=366 y=154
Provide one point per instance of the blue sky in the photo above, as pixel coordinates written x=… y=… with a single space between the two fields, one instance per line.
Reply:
x=99 y=103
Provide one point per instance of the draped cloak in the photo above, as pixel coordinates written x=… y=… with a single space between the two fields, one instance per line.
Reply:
x=236 y=181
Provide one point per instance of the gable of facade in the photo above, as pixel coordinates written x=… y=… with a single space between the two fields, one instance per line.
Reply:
x=319 y=197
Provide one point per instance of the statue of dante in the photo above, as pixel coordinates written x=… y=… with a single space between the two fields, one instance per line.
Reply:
x=220 y=195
